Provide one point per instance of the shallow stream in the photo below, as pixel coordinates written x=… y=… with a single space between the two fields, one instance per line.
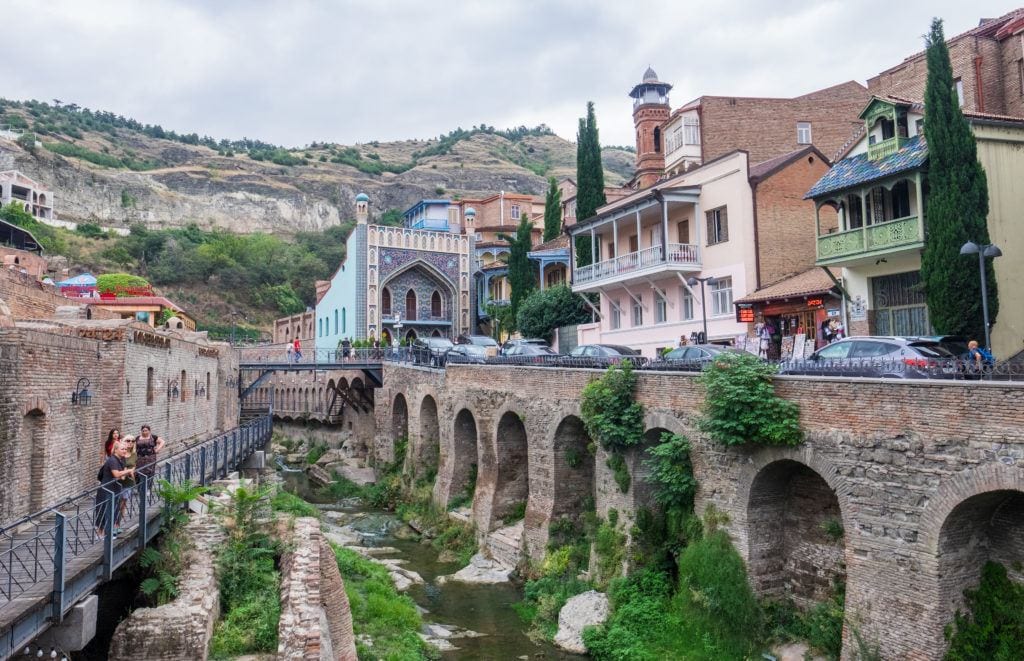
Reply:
x=486 y=609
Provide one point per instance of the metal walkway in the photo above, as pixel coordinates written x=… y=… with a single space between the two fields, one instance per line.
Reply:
x=264 y=360
x=51 y=559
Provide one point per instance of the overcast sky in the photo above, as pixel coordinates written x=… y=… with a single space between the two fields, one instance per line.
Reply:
x=298 y=71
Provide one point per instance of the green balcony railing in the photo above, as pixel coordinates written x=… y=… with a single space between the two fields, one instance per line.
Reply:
x=872 y=238
x=885 y=148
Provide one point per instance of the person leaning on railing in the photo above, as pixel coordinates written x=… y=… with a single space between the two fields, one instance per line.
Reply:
x=112 y=470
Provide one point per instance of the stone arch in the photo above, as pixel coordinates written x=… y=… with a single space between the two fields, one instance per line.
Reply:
x=512 y=466
x=464 y=459
x=428 y=453
x=385 y=301
x=572 y=472
x=792 y=518
x=399 y=417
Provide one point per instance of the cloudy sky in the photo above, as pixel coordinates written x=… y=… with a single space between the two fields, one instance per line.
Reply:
x=343 y=71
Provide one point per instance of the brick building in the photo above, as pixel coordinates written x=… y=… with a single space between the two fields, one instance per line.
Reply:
x=988 y=67
x=50 y=447
x=286 y=329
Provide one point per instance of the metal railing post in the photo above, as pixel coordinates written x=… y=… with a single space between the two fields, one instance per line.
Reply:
x=202 y=464
x=57 y=603
x=108 y=534
x=167 y=471
x=188 y=466
x=216 y=476
x=143 y=489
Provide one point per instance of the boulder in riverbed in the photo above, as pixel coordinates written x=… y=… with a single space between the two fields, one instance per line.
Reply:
x=579 y=612
x=480 y=570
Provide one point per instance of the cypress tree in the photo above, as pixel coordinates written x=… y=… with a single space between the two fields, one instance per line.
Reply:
x=520 y=270
x=957 y=206
x=589 y=179
x=552 y=210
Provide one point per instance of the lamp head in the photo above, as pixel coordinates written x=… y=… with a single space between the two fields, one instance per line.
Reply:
x=969 y=248
x=993 y=251
x=692 y=281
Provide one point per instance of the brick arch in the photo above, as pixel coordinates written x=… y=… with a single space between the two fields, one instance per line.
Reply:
x=399 y=417
x=511 y=457
x=427 y=453
x=35 y=405
x=785 y=498
x=460 y=456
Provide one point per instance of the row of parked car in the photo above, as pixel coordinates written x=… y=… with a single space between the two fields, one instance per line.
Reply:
x=878 y=357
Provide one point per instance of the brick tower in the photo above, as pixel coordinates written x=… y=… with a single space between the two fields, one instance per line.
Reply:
x=650 y=110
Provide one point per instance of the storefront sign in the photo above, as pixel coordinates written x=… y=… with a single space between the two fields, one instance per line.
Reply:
x=744 y=313
x=858 y=309
x=815 y=302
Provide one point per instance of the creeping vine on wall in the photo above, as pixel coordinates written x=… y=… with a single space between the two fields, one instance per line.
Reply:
x=741 y=407
x=613 y=417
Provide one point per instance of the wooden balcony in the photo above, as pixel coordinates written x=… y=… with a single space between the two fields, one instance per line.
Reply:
x=870 y=240
x=642 y=263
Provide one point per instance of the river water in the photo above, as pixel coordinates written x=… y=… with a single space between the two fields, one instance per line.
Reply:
x=486 y=609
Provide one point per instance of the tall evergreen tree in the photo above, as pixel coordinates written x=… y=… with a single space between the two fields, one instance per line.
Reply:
x=957 y=206
x=552 y=210
x=589 y=179
x=520 y=270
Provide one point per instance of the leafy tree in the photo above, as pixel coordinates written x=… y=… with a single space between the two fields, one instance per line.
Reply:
x=27 y=141
x=521 y=276
x=115 y=283
x=957 y=206
x=994 y=627
x=545 y=310
x=589 y=179
x=552 y=211
x=610 y=414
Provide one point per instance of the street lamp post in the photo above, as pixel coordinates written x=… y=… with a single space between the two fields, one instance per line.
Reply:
x=983 y=251
x=693 y=280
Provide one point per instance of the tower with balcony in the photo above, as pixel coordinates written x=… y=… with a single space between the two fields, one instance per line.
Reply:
x=650 y=111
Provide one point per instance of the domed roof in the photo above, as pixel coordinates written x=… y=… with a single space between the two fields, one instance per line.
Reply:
x=470 y=211
x=650 y=76
x=362 y=197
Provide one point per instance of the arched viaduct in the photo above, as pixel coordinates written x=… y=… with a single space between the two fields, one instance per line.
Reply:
x=926 y=480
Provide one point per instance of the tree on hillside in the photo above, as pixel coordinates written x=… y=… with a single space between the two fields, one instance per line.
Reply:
x=589 y=179
x=957 y=207
x=544 y=311
x=552 y=210
x=520 y=270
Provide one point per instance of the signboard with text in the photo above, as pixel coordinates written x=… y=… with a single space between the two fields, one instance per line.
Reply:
x=744 y=313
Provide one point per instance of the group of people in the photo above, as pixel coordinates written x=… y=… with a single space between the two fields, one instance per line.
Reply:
x=125 y=458
x=294 y=351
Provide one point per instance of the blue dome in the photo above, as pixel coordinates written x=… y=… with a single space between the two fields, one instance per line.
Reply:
x=362 y=197
x=470 y=211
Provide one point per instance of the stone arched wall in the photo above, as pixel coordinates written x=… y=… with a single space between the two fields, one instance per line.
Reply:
x=511 y=467
x=427 y=451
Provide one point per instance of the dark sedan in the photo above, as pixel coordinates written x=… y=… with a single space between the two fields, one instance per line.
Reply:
x=602 y=355
x=532 y=354
x=693 y=358
x=468 y=353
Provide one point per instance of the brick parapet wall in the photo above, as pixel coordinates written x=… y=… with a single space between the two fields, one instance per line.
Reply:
x=897 y=456
x=30 y=299
x=302 y=631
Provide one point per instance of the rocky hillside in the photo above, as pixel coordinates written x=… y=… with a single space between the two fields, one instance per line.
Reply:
x=114 y=171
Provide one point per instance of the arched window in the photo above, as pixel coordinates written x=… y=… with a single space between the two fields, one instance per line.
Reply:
x=344 y=323
x=657 y=139
x=335 y=321
x=150 y=383
x=435 y=304
x=183 y=382
x=319 y=327
x=410 y=305
x=385 y=301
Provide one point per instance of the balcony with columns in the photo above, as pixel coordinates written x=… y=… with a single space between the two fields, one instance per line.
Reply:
x=644 y=237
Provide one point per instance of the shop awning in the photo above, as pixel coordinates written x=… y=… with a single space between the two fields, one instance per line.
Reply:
x=812 y=282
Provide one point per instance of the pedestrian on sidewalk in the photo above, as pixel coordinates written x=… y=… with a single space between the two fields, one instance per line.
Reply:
x=297 y=350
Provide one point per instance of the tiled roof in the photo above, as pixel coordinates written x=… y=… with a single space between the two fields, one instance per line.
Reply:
x=560 y=241
x=857 y=170
x=810 y=282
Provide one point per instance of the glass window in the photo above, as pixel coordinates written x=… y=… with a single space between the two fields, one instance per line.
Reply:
x=959 y=91
x=870 y=349
x=515 y=212
x=803 y=133
x=335 y=321
x=683 y=231
x=718 y=225
x=344 y=325
x=638 y=312
x=835 y=351
x=660 y=309
x=687 y=305
x=616 y=315
x=721 y=296
x=691 y=130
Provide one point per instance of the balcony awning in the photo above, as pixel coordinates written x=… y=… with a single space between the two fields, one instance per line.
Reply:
x=858 y=170
x=812 y=282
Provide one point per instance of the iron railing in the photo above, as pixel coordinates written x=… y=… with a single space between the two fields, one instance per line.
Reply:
x=52 y=551
x=279 y=355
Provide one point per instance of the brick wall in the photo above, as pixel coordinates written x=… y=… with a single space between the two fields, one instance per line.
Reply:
x=916 y=474
x=767 y=127
x=786 y=233
x=28 y=299
x=1013 y=95
x=301 y=325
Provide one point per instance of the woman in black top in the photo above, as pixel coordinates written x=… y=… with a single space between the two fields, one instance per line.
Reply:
x=111 y=472
x=147 y=446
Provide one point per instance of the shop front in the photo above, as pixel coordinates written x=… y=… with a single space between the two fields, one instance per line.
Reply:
x=792 y=318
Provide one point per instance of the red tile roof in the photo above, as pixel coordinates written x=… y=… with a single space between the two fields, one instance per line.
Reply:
x=808 y=283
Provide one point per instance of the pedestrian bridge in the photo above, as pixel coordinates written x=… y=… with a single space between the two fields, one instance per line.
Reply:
x=255 y=364
x=52 y=559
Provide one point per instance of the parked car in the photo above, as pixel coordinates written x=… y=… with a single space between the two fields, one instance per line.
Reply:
x=532 y=354
x=468 y=353
x=886 y=357
x=602 y=355
x=535 y=341
x=694 y=358
x=430 y=350
x=489 y=343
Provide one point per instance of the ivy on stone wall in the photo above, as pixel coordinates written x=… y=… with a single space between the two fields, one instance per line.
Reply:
x=741 y=407
x=613 y=417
